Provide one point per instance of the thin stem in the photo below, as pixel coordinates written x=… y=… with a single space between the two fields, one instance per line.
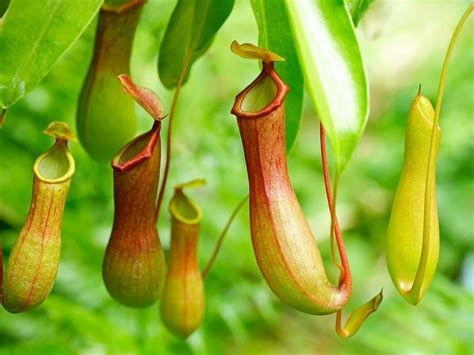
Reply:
x=339 y=328
x=222 y=236
x=331 y=230
x=345 y=276
x=1 y=273
x=444 y=70
x=169 y=134
x=431 y=171
x=3 y=113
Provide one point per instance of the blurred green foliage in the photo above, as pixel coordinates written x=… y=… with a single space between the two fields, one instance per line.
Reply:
x=403 y=45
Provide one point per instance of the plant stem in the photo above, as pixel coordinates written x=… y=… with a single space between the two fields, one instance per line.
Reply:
x=331 y=231
x=332 y=207
x=355 y=320
x=345 y=275
x=187 y=62
x=333 y=212
x=3 y=113
x=222 y=236
x=431 y=170
x=1 y=273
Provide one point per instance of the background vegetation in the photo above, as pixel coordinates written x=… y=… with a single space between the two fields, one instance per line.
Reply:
x=403 y=44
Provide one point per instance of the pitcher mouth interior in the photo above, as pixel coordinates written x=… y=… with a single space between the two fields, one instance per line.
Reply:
x=138 y=150
x=184 y=209
x=263 y=96
x=56 y=164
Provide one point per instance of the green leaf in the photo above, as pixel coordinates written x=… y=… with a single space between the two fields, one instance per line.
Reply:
x=273 y=34
x=357 y=8
x=33 y=36
x=334 y=73
x=189 y=34
x=3 y=6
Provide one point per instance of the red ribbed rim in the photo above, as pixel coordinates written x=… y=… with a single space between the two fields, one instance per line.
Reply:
x=282 y=90
x=145 y=154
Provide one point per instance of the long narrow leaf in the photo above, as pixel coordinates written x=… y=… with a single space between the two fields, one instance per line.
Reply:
x=334 y=73
x=189 y=34
x=33 y=36
x=273 y=34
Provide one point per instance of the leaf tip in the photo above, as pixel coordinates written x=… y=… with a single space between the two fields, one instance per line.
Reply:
x=377 y=300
